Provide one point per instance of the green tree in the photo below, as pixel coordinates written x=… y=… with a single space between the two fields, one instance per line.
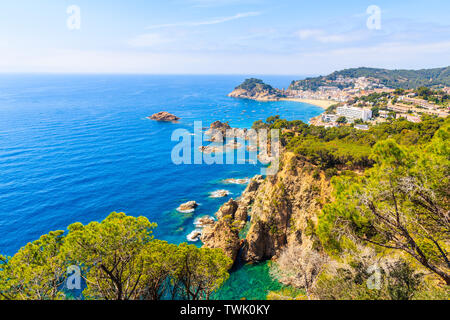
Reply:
x=35 y=272
x=202 y=271
x=341 y=120
x=119 y=260
x=400 y=204
x=110 y=255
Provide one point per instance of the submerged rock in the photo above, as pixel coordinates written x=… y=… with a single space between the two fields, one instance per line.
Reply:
x=204 y=222
x=164 y=116
x=219 y=194
x=194 y=236
x=236 y=181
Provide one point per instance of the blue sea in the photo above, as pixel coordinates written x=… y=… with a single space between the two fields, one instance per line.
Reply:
x=74 y=148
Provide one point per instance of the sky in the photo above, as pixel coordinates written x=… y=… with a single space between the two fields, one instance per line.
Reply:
x=285 y=37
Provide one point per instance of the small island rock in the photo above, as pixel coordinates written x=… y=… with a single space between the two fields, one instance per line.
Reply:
x=163 y=116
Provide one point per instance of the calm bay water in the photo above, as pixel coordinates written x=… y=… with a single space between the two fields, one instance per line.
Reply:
x=74 y=148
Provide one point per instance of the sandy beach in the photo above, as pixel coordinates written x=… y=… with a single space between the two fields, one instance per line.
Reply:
x=324 y=104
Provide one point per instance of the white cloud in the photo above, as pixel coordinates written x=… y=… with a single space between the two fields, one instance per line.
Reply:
x=206 y=22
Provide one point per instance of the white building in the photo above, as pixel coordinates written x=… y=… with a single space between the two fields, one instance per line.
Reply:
x=329 y=117
x=362 y=127
x=353 y=113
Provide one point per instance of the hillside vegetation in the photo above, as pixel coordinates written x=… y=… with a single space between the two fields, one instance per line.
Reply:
x=405 y=79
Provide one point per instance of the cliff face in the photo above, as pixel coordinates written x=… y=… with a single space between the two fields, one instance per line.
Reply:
x=232 y=217
x=284 y=207
x=256 y=89
x=281 y=209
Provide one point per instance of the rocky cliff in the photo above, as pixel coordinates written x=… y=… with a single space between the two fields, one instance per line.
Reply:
x=282 y=209
x=256 y=89
x=232 y=217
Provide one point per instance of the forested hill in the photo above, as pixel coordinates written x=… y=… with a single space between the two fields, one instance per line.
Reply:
x=406 y=79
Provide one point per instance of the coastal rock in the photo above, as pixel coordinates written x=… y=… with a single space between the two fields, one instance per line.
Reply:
x=219 y=194
x=210 y=149
x=233 y=145
x=203 y=222
x=232 y=217
x=220 y=126
x=216 y=137
x=194 y=236
x=228 y=209
x=224 y=236
x=284 y=207
x=254 y=184
x=218 y=131
x=188 y=206
x=164 y=117
x=236 y=181
x=256 y=89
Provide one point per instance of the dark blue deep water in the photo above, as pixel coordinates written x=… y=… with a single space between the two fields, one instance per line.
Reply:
x=74 y=148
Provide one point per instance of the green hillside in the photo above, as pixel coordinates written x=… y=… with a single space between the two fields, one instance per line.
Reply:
x=406 y=79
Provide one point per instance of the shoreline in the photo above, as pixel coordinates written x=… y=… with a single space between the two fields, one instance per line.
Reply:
x=324 y=104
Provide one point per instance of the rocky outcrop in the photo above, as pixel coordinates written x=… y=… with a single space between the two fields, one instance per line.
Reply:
x=188 y=206
x=164 y=117
x=236 y=181
x=203 y=222
x=219 y=194
x=284 y=209
x=219 y=130
x=220 y=126
x=210 y=149
x=256 y=89
x=232 y=217
x=224 y=234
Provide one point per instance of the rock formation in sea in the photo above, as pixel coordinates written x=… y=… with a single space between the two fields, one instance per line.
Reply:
x=210 y=149
x=256 y=89
x=204 y=221
x=164 y=116
x=220 y=126
x=218 y=131
x=219 y=194
x=232 y=217
x=188 y=206
x=194 y=236
x=236 y=181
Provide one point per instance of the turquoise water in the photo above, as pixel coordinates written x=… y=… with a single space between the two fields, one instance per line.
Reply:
x=74 y=148
x=250 y=282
